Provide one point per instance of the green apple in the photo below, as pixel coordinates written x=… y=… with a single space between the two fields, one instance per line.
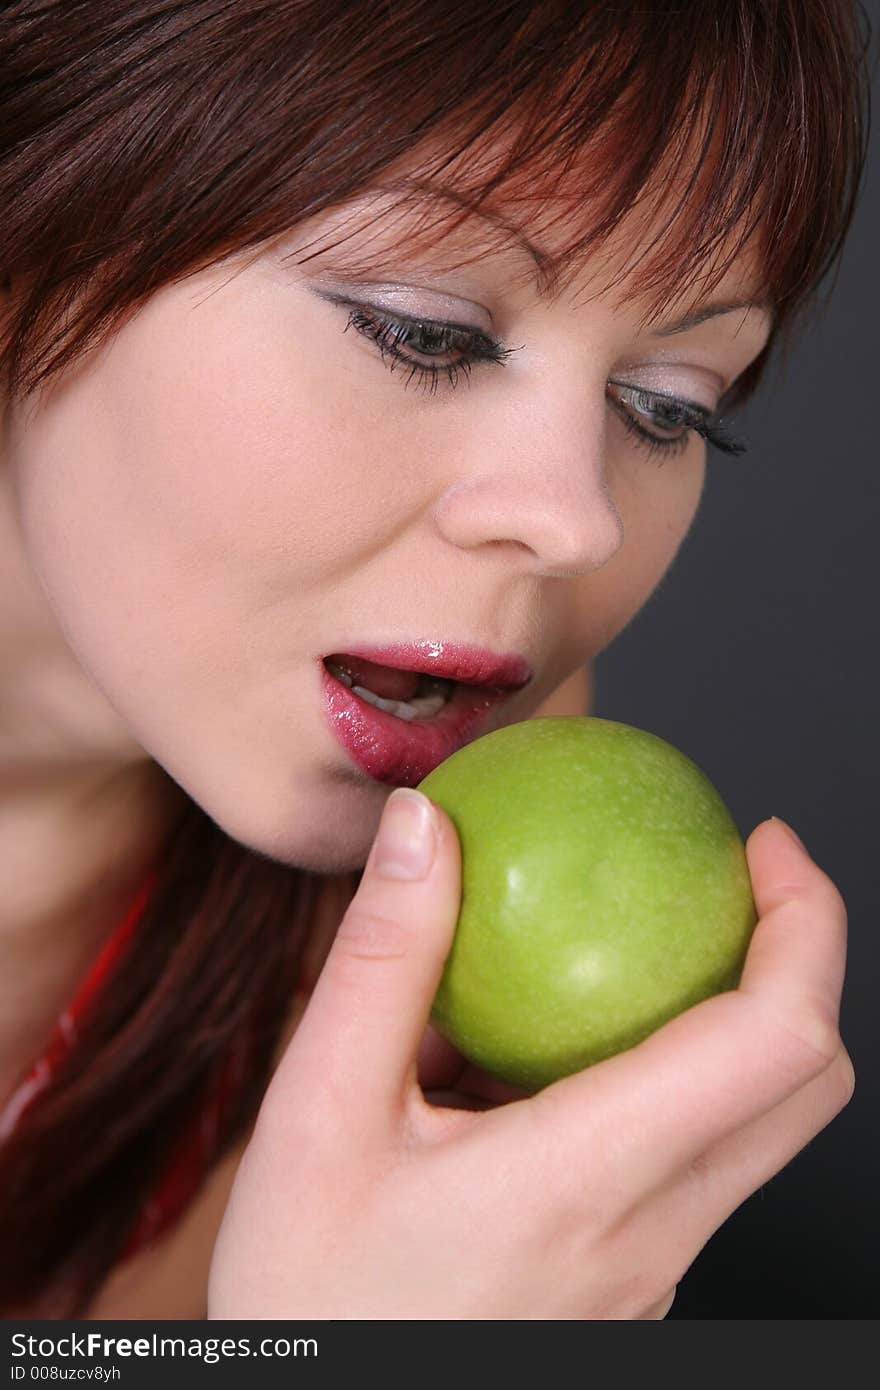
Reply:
x=604 y=890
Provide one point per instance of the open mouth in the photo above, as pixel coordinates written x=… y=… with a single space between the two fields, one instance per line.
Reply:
x=408 y=695
x=397 y=723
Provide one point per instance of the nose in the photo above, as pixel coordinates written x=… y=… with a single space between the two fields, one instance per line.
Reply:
x=537 y=483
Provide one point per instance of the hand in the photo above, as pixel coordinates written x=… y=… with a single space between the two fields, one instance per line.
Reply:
x=359 y=1199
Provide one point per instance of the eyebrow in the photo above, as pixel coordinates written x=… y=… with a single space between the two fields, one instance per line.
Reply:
x=546 y=277
x=709 y=311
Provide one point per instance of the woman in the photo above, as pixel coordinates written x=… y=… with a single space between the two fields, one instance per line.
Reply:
x=302 y=302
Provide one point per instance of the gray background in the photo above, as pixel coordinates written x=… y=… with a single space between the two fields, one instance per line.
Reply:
x=758 y=658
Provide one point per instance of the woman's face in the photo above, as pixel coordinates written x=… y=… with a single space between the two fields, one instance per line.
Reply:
x=238 y=485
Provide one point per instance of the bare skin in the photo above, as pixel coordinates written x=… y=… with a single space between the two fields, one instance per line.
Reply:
x=129 y=468
x=52 y=923
x=169 y=1279
x=171 y=568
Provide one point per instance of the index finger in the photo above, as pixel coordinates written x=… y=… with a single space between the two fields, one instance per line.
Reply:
x=725 y=1062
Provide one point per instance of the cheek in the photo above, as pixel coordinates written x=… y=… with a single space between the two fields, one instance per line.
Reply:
x=660 y=503
x=241 y=442
x=188 y=501
x=191 y=503
x=657 y=507
x=196 y=478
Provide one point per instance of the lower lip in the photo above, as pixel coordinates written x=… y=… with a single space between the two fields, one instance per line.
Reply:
x=402 y=752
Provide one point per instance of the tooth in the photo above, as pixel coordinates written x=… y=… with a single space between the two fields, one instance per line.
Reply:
x=390 y=706
x=423 y=708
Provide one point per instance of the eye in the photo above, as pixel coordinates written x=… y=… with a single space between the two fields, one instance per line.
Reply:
x=658 y=422
x=665 y=423
x=420 y=344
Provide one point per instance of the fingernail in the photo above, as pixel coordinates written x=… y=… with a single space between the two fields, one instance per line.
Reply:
x=792 y=833
x=407 y=836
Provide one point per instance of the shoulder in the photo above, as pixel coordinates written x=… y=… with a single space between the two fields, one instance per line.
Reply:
x=169 y=1278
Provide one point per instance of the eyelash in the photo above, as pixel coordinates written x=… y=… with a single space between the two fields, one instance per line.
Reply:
x=389 y=333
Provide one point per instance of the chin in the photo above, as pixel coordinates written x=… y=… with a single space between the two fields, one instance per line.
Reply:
x=324 y=840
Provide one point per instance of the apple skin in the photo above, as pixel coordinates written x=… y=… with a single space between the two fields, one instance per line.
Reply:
x=605 y=889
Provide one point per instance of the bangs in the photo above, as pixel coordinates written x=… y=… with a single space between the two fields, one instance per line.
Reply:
x=715 y=131
x=128 y=161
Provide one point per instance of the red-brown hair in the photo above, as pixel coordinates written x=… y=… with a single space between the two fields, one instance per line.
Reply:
x=144 y=140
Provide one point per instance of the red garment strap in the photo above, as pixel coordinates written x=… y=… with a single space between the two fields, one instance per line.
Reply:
x=64 y=1033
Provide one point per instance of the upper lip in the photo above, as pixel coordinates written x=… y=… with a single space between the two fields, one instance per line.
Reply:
x=455 y=661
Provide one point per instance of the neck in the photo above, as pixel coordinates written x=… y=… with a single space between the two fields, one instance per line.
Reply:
x=82 y=806
x=83 y=810
x=66 y=840
x=71 y=863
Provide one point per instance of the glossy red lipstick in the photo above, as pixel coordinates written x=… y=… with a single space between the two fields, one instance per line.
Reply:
x=400 y=752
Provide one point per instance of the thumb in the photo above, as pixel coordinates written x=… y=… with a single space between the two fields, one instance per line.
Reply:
x=359 y=1037
x=798 y=951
